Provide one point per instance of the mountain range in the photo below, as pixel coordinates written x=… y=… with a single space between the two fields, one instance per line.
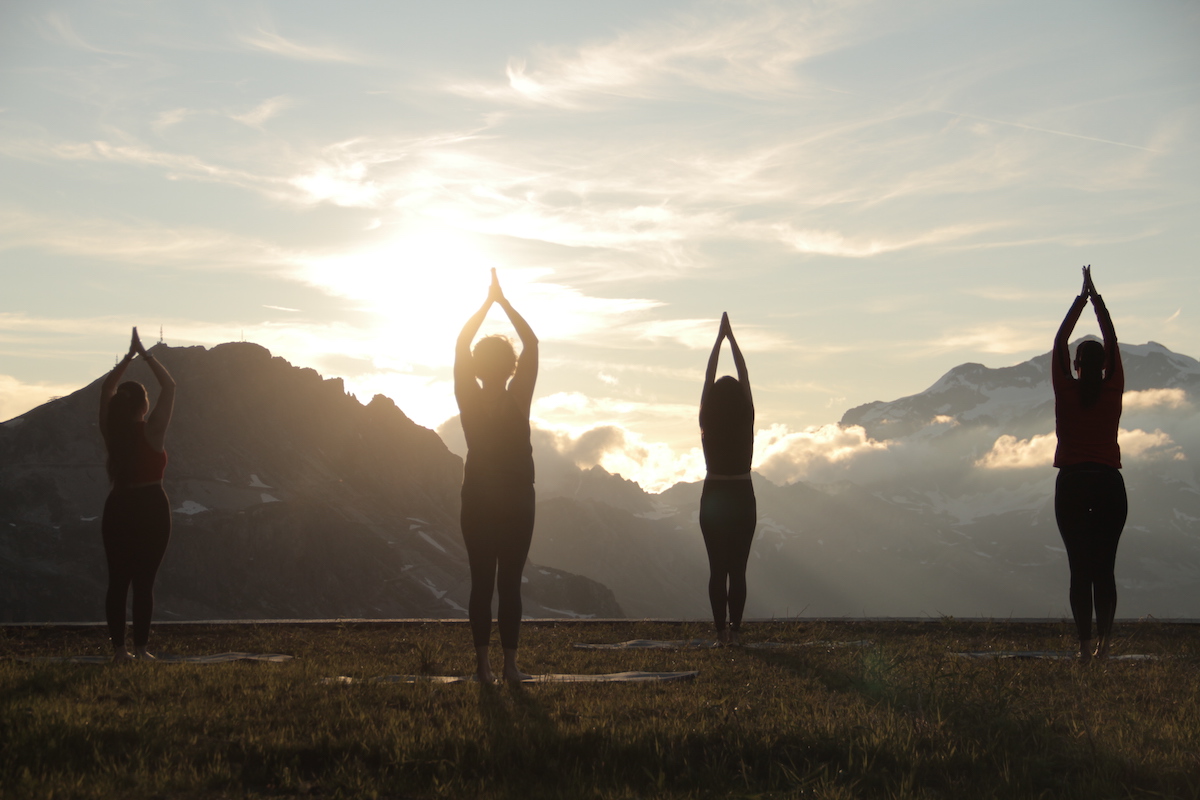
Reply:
x=292 y=499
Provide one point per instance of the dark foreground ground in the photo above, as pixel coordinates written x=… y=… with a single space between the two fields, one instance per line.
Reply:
x=899 y=716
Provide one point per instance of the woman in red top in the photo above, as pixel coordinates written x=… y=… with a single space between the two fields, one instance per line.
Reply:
x=728 y=513
x=1090 y=504
x=137 y=515
x=497 y=492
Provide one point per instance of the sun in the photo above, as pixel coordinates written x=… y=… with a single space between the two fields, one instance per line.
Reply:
x=415 y=291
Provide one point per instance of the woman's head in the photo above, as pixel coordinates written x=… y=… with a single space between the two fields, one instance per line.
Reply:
x=494 y=359
x=1088 y=356
x=725 y=404
x=130 y=403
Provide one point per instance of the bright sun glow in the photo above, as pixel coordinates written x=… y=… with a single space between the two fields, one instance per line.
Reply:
x=416 y=291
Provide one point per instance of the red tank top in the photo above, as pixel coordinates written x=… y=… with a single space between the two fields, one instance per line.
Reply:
x=149 y=464
x=1088 y=434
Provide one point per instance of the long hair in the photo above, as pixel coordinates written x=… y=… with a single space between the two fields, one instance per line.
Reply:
x=121 y=430
x=725 y=407
x=1091 y=366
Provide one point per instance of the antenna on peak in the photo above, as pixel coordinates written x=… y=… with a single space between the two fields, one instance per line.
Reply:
x=160 y=336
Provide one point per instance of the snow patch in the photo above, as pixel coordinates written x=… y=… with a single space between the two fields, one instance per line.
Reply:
x=431 y=540
x=87 y=519
x=266 y=498
x=257 y=484
x=189 y=507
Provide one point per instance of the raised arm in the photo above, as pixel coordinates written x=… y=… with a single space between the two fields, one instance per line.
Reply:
x=160 y=416
x=1062 y=353
x=710 y=372
x=739 y=362
x=464 y=367
x=525 y=378
x=109 y=387
x=1111 y=350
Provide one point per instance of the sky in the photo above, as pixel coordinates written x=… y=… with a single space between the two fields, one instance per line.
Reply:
x=875 y=192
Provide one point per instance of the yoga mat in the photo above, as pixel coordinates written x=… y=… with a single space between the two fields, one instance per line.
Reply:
x=703 y=644
x=163 y=658
x=1053 y=655
x=615 y=677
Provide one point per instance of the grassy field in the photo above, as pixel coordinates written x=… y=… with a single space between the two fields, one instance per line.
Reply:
x=902 y=717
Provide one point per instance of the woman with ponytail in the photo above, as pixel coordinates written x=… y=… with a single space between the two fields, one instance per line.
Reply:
x=137 y=515
x=1089 y=499
x=728 y=513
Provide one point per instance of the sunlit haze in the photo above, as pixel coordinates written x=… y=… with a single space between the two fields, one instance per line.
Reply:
x=875 y=192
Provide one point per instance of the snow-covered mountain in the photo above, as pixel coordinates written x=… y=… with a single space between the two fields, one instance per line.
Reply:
x=940 y=504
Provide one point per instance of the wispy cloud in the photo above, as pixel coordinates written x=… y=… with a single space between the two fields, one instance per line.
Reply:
x=736 y=48
x=145 y=244
x=1067 y=134
x=997 y=338
x=264 y=111
x=174 y=165
x=270 y=41
x=57 y=26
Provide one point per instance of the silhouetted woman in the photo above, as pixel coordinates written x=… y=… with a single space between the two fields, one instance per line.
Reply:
x=1089 y=499
x=137 y=516
x=497 y=491
x=728 y=513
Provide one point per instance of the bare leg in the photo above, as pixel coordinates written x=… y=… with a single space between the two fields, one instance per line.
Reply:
x=483 y=670
x=513 y=673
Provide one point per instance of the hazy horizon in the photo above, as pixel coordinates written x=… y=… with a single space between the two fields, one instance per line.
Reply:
x=875 y=194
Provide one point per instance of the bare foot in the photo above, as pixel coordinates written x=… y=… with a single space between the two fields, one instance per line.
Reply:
x=733 y=638
x=121 y=656
x=483 y=667
x=141 y=654
x=515 y=675
x=723 y=635
x=1102 y=648
x=1085 y=652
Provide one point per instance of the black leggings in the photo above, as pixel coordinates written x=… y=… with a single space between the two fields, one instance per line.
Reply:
x=136 y=527
x=497 y=527
x=1090 y=506
x=728 y=515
